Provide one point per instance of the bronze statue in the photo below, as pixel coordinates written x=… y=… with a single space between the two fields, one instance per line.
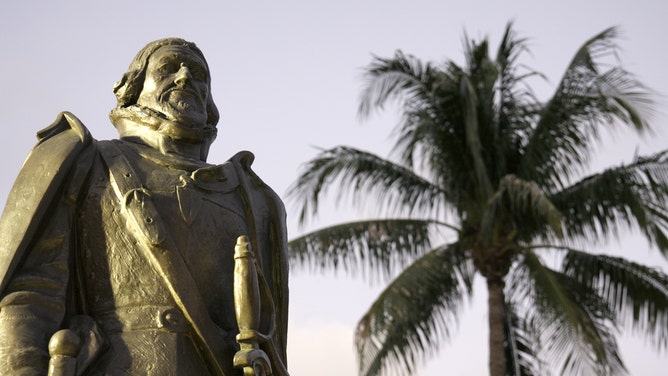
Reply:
x=118 y=257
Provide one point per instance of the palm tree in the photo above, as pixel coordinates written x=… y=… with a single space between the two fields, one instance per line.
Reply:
x=486 y=179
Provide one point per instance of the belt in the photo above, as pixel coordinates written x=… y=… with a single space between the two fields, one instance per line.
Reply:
x=125 y=319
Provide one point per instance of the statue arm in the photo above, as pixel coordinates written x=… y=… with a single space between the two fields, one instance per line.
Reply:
x=33 y=305
x=36 y=244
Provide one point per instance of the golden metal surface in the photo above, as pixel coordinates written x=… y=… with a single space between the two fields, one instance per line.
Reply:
x=133 y=256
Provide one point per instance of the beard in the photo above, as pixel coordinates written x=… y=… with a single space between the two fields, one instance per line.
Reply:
x=183 y=106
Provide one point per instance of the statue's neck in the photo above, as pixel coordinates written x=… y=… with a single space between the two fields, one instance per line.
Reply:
x=163 y=135
x=158 y=141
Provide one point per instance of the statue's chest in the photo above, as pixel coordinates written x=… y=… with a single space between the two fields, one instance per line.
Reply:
x=200 y=210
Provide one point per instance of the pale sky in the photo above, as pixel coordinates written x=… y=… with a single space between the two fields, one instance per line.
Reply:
x=286 y=77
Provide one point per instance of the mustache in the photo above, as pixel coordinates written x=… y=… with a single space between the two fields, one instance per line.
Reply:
x=184 y=89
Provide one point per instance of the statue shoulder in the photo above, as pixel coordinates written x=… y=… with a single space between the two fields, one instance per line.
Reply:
x=258 y=191
x=65 y=122
x=63 y=151
x=243 y=161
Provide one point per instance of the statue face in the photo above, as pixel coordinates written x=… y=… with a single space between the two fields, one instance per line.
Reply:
x=177 y=85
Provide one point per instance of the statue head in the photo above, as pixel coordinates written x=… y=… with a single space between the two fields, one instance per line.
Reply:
x=170 y=77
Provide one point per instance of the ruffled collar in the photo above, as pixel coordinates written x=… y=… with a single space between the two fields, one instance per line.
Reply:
x=140 y=124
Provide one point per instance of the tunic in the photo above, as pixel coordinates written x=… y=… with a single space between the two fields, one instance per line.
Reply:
x=202 y=210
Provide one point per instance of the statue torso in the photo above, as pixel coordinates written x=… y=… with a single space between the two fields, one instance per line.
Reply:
x=202 y=210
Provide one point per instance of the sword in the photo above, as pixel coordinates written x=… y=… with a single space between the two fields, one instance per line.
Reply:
x=252 y=299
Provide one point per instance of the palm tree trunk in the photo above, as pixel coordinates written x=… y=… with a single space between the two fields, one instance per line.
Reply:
x=496 y=303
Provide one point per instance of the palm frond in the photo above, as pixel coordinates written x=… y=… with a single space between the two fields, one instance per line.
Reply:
x=586 y=100
x=433 y=140
x=628 y=196
x=636 y=292
x=372 y=247
x=577 y=326
x=517 y=105
x=362 y=173
x=428 y=134
x=414 y=313
x=473 y=138
x=403 y=77
x=526 y=204
x=522 y=345
x=509 y=50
